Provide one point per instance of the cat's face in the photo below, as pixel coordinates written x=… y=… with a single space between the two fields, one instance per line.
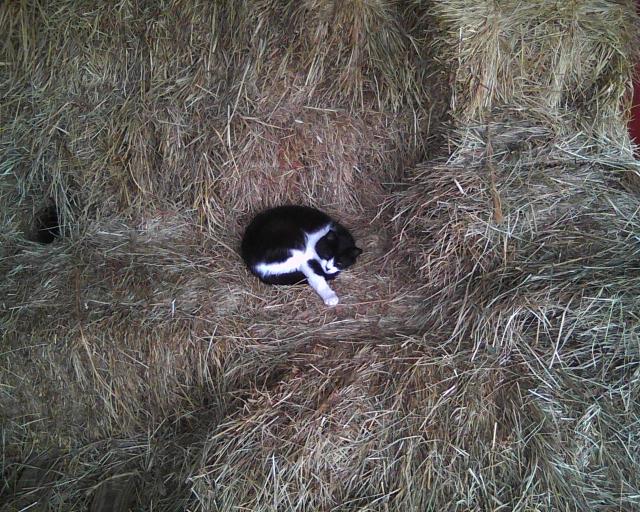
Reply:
x=337 y=252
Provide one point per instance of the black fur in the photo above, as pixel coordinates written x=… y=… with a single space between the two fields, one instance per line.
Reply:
x=284 y=279
x=274 y=232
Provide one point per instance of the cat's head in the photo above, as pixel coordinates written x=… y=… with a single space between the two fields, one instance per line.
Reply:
x=337 y=252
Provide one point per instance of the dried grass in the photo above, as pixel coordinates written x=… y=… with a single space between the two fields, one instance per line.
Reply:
x=473 y=213
x=571 y=61
x=485 y=352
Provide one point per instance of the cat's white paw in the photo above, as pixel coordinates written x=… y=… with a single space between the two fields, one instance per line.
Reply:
x=332 y=300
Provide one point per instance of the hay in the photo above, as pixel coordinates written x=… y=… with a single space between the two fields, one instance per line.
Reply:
x=485 y=352
x=571 y=61
x=122 y=110
x=532 y=185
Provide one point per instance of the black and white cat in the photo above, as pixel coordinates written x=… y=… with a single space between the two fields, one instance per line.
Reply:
x=296 y=244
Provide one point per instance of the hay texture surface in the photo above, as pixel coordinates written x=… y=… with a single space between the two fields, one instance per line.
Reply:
x=485 y=354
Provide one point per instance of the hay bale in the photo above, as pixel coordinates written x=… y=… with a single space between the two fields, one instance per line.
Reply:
x=573 y=62
x=485 y=353
x=531 y=258
x=154 y=328
x=499 y=196
x=404 y=424
x=349 y=50
x=100 y=315
x=120 y=111
x=306 y=155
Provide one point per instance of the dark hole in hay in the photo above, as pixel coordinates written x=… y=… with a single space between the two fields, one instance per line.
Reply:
x=46 y=225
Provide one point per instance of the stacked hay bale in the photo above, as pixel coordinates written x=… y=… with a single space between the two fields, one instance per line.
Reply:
x=153 y=131
x=527 y=238
x=485 y=355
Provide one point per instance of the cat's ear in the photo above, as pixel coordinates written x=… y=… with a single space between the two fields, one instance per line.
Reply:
x=331 y=236
x=356 y=251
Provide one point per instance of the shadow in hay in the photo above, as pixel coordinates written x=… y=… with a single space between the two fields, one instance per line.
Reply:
x=46 y=226
x=108 y=476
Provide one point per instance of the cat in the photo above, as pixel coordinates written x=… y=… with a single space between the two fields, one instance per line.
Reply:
x=288 y=245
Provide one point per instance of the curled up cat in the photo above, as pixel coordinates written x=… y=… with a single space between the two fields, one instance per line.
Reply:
x=296 y=244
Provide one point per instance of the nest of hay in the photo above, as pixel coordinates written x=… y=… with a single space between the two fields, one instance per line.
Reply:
x=484 y=355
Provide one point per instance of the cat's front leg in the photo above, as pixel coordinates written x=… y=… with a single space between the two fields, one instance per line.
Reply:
x=319 y=284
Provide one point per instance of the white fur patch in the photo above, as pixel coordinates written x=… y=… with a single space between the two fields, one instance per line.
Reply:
x=319 y=284
x=297 y=262
x=329 y=267
x=297 y=257
x=291 y=264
